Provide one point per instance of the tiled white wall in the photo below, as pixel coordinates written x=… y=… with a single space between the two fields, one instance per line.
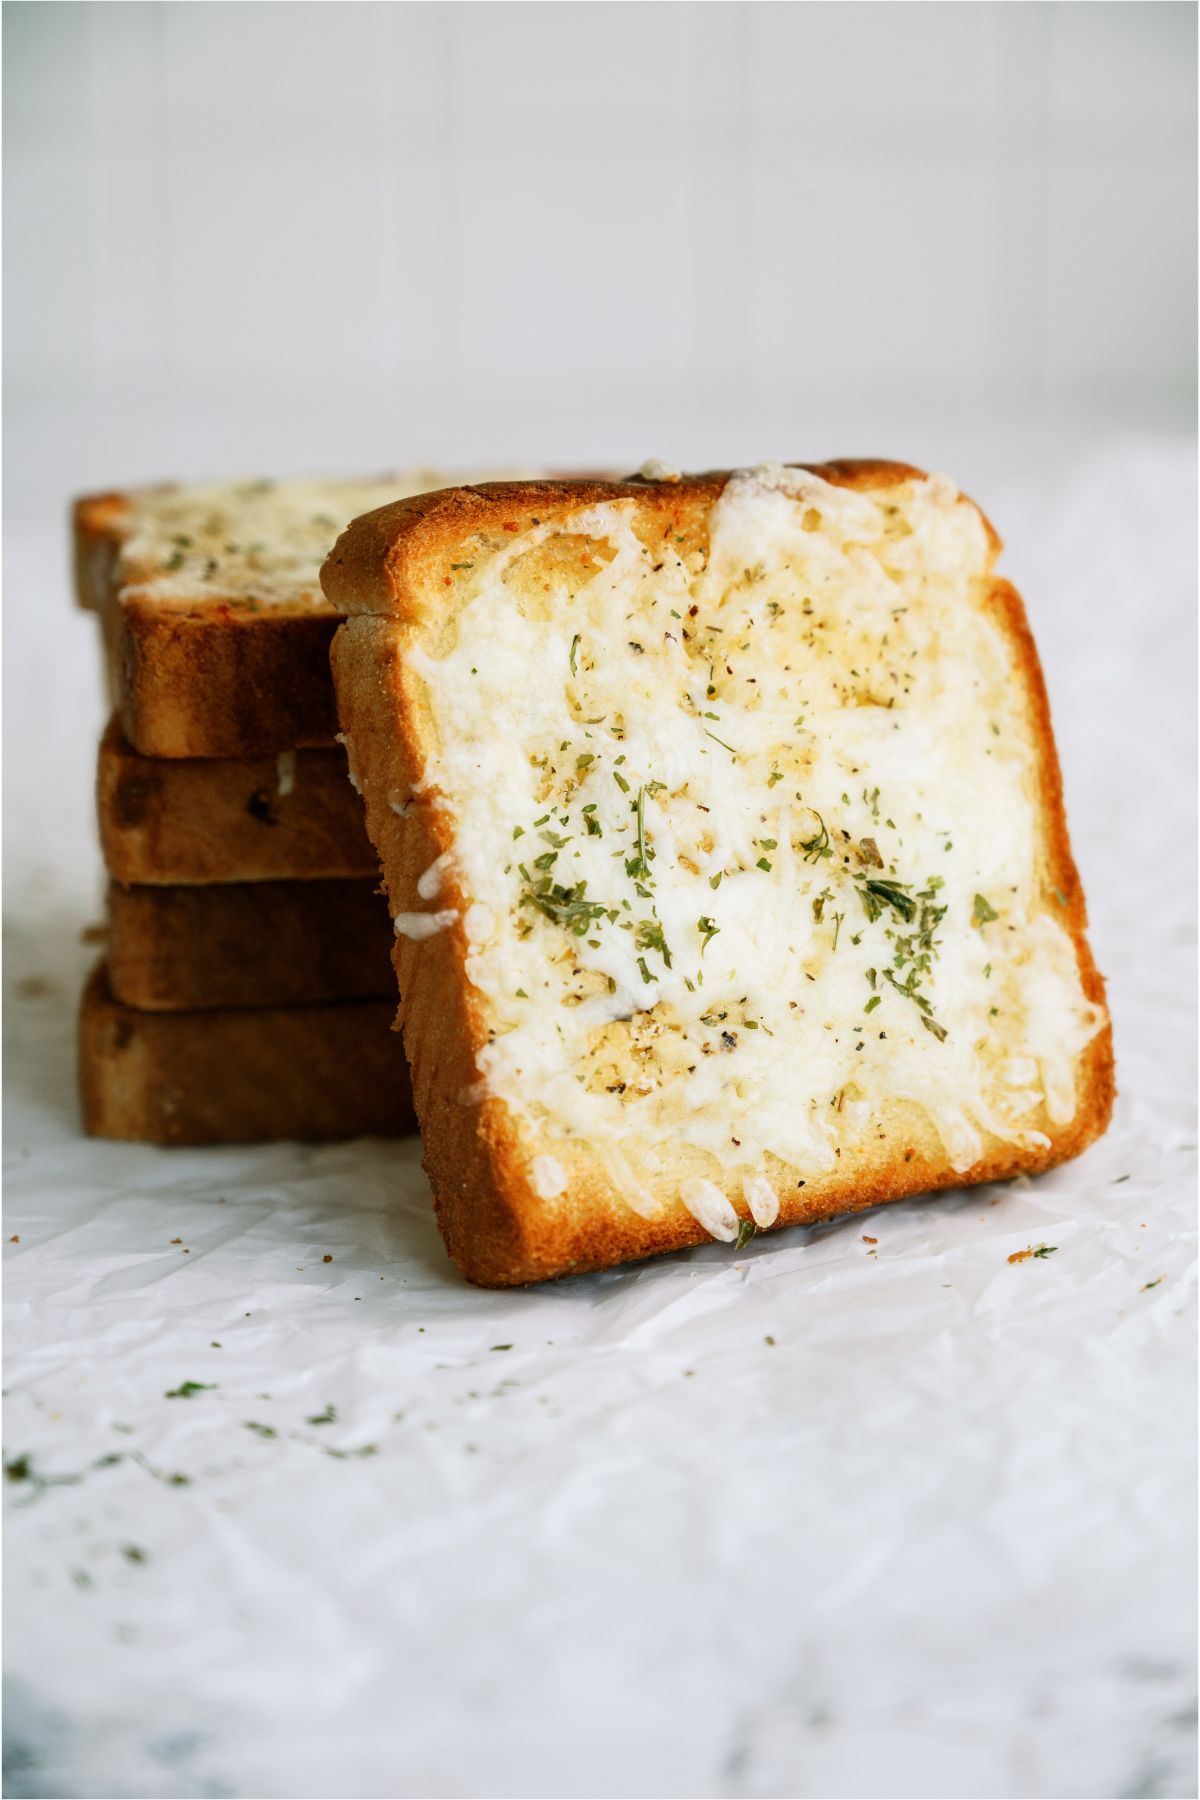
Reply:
x=286 y=235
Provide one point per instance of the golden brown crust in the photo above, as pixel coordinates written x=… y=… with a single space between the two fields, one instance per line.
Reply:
x=216 y=679
x=379 y=560
x=437 y=1014
x=239 y=1077
x=496 y=1229
x=221 y=681
x=98 y=525
x=264 y=943
x=292 y=817
x=1097 y=1079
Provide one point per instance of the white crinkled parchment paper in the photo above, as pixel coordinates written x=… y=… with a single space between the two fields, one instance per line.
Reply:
x=826 y=1517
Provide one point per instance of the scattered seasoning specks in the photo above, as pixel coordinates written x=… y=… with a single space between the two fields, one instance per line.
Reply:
x=1032 y=1250
x=187 y=1389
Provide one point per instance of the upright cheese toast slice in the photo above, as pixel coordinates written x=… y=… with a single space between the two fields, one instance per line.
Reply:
x=723 y=834
x=215 y=629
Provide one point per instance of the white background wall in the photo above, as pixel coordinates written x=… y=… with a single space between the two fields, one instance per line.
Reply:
x=271 y=237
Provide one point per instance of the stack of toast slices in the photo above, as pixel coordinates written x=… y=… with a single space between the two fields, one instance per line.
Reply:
x=725 y=867
x=247 y=991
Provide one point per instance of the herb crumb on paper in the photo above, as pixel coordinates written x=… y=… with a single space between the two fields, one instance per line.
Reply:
x=1041 y=1250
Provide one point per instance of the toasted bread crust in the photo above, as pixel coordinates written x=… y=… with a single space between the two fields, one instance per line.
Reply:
x=464 y=1143
x=239 y=1077
x=217 y=679
x=248 y=944
x=1097 y=1084
x=291 y=817
x=220 y=683
x=98 y=526
x=377 y=562
x=495 y=1228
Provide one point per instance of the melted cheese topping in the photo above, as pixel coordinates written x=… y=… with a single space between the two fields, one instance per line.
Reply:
x=259 y=541
x=746 y=833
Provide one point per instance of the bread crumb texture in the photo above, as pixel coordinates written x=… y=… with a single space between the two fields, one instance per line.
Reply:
x=748 y=824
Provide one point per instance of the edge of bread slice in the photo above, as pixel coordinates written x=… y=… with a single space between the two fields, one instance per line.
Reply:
x=245 y=1075
x=215 y=630
x=787 y=700
x=169 y=820
x=192 y=947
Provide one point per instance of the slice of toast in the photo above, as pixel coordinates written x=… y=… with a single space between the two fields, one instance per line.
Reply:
x=216 y=633
x=240 y=1077
x=722 y=826
x=235 y=944
x=290 y=817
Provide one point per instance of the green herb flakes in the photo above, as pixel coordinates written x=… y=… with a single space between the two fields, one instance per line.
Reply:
x=876 y=894
x=650 y=937
x=818 y=844
x=723 y=744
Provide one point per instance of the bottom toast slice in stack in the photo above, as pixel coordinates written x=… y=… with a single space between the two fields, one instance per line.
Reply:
x=240 y=1075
